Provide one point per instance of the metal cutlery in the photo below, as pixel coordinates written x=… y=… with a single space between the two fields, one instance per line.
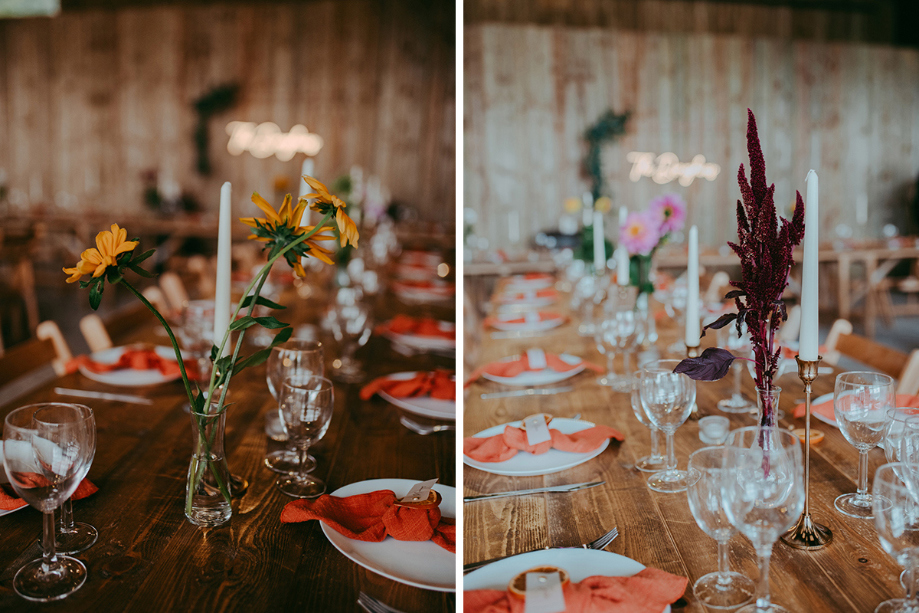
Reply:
x=423 y=429
x=545 y=391
x=62 y=391
x=372 y=605
x=552 y=489
x=598 y=543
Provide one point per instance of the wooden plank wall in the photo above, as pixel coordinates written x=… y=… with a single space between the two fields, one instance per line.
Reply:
x=850 y=111
x=91 y=99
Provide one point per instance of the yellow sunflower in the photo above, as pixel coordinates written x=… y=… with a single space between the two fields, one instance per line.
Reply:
x=279 y=228
x=325 y=202
x=109 y=245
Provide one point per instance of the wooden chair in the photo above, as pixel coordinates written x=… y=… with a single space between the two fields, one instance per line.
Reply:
x=716 y=288
x=173 y=288
x=99 y=334
x=49 y=331
x=24 y=358
x=901 y=366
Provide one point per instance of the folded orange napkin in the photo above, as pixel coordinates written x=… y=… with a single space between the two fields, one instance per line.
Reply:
x=650 y=591
x=825 y=409
x=374 y=516
x=512 y=368
x=422 y=326
x=438 y=384
x=134 y=359
x=504 y=446
x=10 y=503
x=543 y=316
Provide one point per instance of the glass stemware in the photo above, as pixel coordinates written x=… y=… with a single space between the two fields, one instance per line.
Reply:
x=293 y=358
x=349 y=320
x=306 y=404
x=763 y=494
x=667 y=398
x=43 y=458
x=74 y=537
x=653 y=462
x=618 y=331
x=897 y=430
x=861 y=401
x=896 y=517
x=197 y=334
x=723 y=589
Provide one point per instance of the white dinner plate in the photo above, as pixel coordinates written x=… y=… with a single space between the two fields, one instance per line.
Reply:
x=3 y=479
x=129 y=377
x=546 y=376
x=435 y=408
x=526 y=300
x=421 y=564
x=417 y=341
x=819 y=400
x=528 y=326
x=526 y=464
x=579 y=564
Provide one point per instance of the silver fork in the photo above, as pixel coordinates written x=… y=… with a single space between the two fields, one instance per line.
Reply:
x=598 y=543
x=423 y=429
x=372 y=605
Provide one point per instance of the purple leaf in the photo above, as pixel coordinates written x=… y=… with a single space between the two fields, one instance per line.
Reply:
x=712 y=365
x=722 y=321
x=735 y=293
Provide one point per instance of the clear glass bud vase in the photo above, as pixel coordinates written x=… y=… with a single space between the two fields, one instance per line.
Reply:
x=767 y=406
x=207 y=494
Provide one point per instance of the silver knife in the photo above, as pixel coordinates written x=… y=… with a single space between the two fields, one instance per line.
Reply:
x=545 y=391
x=62 y=391
x=538 y=490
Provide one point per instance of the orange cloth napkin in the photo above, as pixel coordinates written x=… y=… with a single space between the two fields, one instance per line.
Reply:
x=650 y=591
x=422 y=326
x=10 y=503
x=134 y=359
x=512 y=368
x=543 y=316
x=374 y=516
x=438 y=384
x=826 y=408
x=504 y=446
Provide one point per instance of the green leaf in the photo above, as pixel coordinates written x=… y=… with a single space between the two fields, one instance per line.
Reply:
x=270 y=322
x=242 y=323
x=255 y=359
x=137 y=259
x=223 y=366
x=214 y=351
x=261 y=301
x=95 y=293
x=199 y=400
x=141 y=271
x=281 y=337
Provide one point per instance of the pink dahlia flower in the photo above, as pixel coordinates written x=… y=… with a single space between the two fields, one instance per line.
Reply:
x=670 y=212
x=640 y=234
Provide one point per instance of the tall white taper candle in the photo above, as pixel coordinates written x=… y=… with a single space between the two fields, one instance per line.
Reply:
x=810 y=296
x=622 y=254
x=599 y=243
x=224 y=245
x=693 y=331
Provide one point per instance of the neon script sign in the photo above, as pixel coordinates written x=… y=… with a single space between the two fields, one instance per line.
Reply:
x=266 y=139
x=667 y=167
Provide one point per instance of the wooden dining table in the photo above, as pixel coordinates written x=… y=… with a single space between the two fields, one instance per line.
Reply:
x=150 y=558
x=852 y=573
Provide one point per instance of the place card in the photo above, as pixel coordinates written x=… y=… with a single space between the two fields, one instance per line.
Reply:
x=537 y=359
x=544 y=593
x=537 y=429
x=419 y=492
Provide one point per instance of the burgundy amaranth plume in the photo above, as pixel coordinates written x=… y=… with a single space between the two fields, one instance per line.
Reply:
x=765 y=251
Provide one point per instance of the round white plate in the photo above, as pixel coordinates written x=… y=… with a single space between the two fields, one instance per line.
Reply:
x=425 y=565
x=526 y=301
x=819 y=400
x=546 y=376
x=529 y=326
x=526 y=464
x=129 y=377
x=579 y=563
x=435 y=408
x=416 y=341
x=3 y=479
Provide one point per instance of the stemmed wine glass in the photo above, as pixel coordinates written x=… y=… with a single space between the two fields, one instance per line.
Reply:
x=861 y=401
x=349 y=320
x=667 y=398
x=896 y=517
x=897 y=430
x=43 y=453
x=741 y=344
x=723 y=589
x=653 y=462
x=306 y=405
x=293 y=358
x=74 y=537
x=763 y=494
x=618 y=330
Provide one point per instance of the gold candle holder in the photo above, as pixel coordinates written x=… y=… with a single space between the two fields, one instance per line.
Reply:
x=806 y=533
x=692 y=352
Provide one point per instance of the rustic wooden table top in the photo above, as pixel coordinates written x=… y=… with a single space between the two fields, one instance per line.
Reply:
x=149 y=557
x=851 y=574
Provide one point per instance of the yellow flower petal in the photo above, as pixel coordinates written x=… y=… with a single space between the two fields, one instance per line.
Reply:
x=284 y=211
x=250 y=221
x=320 y=256
x=266 y=208
x=298 y=268
x=319 y=187
x=346 y=228
x=92 y=256
x=125 y=246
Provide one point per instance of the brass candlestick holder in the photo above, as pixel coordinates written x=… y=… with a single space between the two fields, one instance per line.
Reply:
x=806 y=533
x=692 y=352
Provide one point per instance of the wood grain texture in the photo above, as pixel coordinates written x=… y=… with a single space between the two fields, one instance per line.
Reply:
x=91 y=99
x=849 y=111
x=150 y=558
x=852 y=574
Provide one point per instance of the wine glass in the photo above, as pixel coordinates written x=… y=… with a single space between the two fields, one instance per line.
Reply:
x=74 y=537
x=897 y=430
x=896 y=517
x=653 y=462
x=197 y=334
x=43 y=453
x=763 y=494
x=306 y=404
x=861 y=401
x=618 y=330
x=667 y=398
x=741 y=344
x=723 y=589
x=349 y=320
x=293 y=358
